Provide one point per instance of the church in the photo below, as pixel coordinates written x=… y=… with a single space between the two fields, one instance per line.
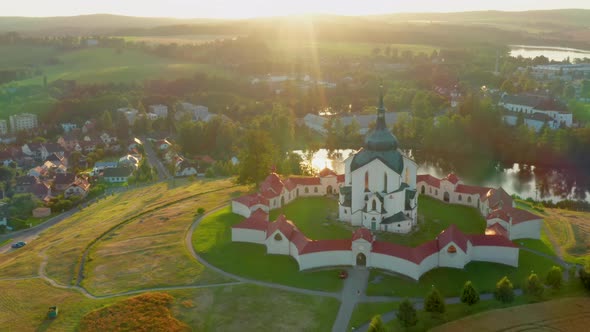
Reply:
x=379 y=189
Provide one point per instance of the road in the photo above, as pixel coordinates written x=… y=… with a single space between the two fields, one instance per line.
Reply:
x=153 y=159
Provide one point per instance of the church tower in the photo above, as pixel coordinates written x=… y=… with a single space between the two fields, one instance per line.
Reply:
x=379 y=190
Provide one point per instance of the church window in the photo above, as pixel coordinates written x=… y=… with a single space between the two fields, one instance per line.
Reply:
x=315 y=190
x=452 y=249
x=374 y=205
x=385 y=182
x=436 y=192
x=407 y=175
x=386 y=228
x=460 y=197
x=367 y=181
x=430 y=190
x=468 y=199
x=278 y=237
x=306 y=190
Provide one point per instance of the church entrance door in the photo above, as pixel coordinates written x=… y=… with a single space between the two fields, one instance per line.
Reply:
x=373 y=226
x=329 y=190
x=361 y=259
x=446 y=197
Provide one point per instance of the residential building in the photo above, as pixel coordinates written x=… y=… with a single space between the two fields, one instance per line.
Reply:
x=68 y=127
x=79 y=188
x=536 y=108
x=3 y=127
x=117 y=174
x=130 y=114
x=160 y=110
x=23 y=121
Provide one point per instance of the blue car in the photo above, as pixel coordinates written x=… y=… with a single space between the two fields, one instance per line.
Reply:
x=19 y=244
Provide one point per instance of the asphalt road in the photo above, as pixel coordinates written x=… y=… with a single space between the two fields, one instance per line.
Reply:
x=154 y=160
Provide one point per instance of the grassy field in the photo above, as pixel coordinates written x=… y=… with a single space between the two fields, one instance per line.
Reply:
x=435 y=216
x=571 y=231
x=212 y=240
x=149 y=251
x=24 y=304
x=65 y=242
x=316 y=217
x=568 y=314
x=178 y=39
x=19 y=56
x=450 y=281
x=253 y=308
x=101 y=65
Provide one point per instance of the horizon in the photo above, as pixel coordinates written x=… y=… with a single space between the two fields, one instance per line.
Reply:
x=235 y=9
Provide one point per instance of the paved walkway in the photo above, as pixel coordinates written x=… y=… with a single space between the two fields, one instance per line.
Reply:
x=353 y=289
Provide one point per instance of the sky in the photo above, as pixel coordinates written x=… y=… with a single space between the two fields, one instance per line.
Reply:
x=263 y=8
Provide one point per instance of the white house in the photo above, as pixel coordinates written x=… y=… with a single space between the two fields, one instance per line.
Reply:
x=117 y=174
x=161 y=111
x=536 y=108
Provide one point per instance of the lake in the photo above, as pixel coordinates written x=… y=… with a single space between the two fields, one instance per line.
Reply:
x=524 y=181
x=552 y=53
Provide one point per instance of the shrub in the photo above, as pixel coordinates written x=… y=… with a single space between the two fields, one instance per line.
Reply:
x=376 y=325
x=584 y=274
x=504 y=291
x=534 y=285
x=407 y=314
x=554 y=277
x=434 y=302
x=470 y=296
x=200 y=210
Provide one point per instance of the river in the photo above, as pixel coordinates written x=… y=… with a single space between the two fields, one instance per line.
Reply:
x=552 y=53
x=524 y=181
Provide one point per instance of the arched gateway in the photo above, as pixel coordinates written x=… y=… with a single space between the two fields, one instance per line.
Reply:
x=361 y=259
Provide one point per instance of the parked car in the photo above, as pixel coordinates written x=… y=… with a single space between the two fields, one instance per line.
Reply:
x=19 y=244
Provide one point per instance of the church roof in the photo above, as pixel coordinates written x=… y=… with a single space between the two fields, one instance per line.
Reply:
x=429 y=179
x=400 y=216
x=452 y=234
x=362 y=233
x=327 y=172
x=380 y=144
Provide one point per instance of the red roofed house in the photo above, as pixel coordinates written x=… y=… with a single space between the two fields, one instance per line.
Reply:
x=252 y=229
x=245 y=205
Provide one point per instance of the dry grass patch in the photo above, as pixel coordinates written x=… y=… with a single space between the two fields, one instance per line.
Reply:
x=150 y=250
x=253 y=308
x=568 y=314
x=571 y=229
x=24 y=304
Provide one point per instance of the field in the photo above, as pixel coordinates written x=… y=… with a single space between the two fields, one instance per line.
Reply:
x=178 y=39
x=149 y=251
x=24 y=304
x=212 y=240
x=450 y=281
x=102 y=65
x=435 y=216
x=63 y=244
x=569 y=314
x=571 y=231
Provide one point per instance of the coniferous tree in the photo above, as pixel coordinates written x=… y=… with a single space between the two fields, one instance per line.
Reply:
x=534 y=285
x=469 y=296
x=407 y=314
x=554 y=277
x=376 y=325
x=504 y=291
x=434 y=302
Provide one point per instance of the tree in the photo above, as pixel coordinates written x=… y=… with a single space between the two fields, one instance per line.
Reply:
x=504 y=291
x=584 y=274
x=534 y=285
x=256 y=157
x=469 y=296
x=508 y=87
x=376 y=324
x=106 y=121
x=434 y=302
x=554 y=277
x=407 y=314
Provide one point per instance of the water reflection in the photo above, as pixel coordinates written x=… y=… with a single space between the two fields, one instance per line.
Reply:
x=523 y=180
x=552 y=53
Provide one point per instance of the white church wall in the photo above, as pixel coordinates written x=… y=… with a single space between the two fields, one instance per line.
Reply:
x=395 y=264
x=274 y=246
x=494 y=254
x=325 y=259
x=526 y=230
x=428 y=263
x=248 y=235
x=456 y=260
x=239 y=208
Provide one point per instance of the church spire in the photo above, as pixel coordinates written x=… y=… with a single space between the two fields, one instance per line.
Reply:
x=381 y=111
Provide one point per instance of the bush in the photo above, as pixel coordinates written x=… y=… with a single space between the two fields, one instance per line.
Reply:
x=407 y=314
x=554 y=277
x=470 y=296
x=504 y=291
x=376 y=325
x=200 y=210
x=534 y=285
x=584 y=274
x=434 y=302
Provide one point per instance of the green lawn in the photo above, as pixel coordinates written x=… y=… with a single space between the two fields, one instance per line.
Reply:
x=12 y=56
x=450 y=281
x=364 y=312
x=434 y=217
x=316 y=217
x=212 y=240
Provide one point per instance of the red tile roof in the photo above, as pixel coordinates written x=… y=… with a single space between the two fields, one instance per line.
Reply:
x=286 y=227
x=472 y=190
x=490 y=240
x=327 y=172
x=258 y=220
x=252 y=199
x=429 y=179
x=497 y=196
x=340 y=178
x=452 y=234
x=326 y=245
x=362 y=233
x=501 y=214
x=415 y=255
x=300 y=241
x=290 y=185
x=272 y=183
x=452 y=178
x=519 y=215
x=496 y=229
x=305 y=181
